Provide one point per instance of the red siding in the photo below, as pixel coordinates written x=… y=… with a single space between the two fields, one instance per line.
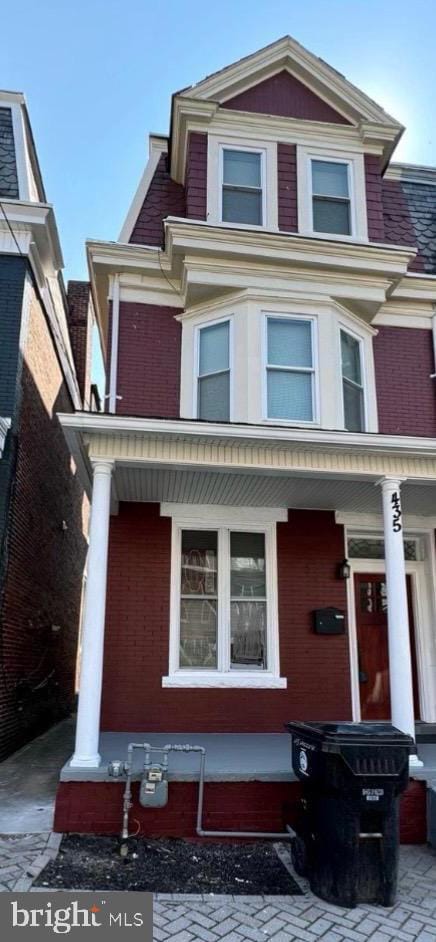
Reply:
x=286 y=96
x=287 y=187
x=196 y=176
x=149 y=351
x=164 y=198
x=136 y=646
x=397 y=222
x=406 y=395
x=374 y=202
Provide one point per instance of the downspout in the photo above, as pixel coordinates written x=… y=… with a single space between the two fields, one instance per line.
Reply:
x=114 y=343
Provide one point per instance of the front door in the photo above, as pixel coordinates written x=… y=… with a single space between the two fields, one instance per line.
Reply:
x=372 y=641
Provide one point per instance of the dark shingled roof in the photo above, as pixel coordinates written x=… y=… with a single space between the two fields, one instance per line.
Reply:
x=409 y=212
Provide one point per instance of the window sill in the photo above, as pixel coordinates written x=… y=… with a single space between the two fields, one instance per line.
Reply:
x=243 y=679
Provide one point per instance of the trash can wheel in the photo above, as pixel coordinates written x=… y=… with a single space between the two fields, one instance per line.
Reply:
x=299 y=856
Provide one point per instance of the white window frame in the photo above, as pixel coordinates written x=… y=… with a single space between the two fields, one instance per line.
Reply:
x=215 y=167
x=342 y=328
x=213 y=323
x=224 y=520
x=356 y=186
x=275 y=315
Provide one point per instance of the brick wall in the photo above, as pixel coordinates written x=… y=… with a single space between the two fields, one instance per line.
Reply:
x=149 y=350
x=287 y=187
x=136 y=647
x=43 y=563
x=164 y=198
x=284 y=95
x=79 y=317
x=406 y=395
x=196 y=176
x=12 y=274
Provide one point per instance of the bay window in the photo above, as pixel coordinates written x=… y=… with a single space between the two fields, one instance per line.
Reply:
x=352 y=383
x=213 y=383
x=224 y=623
x=290 y=369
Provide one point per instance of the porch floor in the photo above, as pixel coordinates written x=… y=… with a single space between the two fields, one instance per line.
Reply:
x=230 y=757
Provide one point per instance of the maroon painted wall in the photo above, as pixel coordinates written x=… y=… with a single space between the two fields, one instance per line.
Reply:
x=164 y=198
x=284 y=95
x=149 y=351
x=196 y=176
x=406 y=395
x=287 y=187
x=374 y=202
x=137 y=639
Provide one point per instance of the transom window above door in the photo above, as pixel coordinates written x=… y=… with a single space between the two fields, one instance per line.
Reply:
x=242 y=186
x=290 y=369
x=224 y=625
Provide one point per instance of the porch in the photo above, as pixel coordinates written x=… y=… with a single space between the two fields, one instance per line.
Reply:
x=339 y=486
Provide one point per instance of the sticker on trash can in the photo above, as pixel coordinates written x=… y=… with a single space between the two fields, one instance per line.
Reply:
x=304 y=762
x=373 y=794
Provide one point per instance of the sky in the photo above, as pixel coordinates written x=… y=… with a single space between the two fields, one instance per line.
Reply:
x=98 y=76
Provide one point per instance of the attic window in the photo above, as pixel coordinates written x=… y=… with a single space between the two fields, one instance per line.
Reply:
x=331 y=205
x=242 y=189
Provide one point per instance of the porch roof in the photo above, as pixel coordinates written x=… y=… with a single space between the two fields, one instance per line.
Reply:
x=190 y=462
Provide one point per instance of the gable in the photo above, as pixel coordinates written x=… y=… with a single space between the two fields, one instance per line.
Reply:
x=284 y=95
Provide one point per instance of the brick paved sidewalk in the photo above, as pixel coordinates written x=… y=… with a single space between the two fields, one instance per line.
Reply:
x=23 y=856
x=306 y=918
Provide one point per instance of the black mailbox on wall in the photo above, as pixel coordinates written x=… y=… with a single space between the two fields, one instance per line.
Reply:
x=329 y=621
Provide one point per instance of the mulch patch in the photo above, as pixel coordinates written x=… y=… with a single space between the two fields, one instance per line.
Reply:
x=168 y=866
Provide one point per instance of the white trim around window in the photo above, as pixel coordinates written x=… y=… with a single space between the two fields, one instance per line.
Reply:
x=268 y=154
x=224 y=521
x=356 y=187
x=313 y=370
x=228 y=319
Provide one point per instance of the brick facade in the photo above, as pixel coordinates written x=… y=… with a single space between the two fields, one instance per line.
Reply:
x=137 y=638
x=42 y=562
x=406 y=395
x=149 y=353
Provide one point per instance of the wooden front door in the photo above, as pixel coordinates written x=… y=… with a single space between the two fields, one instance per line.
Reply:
x=372 y=646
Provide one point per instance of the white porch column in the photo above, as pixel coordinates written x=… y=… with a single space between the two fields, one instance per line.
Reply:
x=400 y=659
x=88 y=715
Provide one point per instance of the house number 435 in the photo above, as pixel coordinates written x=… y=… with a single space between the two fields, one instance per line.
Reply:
x=396 y=512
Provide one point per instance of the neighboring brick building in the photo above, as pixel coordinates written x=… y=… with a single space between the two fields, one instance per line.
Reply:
x=45 y=353
x=268 y=321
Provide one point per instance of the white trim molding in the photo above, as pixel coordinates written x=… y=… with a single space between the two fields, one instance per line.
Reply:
x=357 y=191
x=5 y=424
x=225 y=520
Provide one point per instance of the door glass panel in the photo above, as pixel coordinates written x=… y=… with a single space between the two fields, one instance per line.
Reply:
x=373 y=597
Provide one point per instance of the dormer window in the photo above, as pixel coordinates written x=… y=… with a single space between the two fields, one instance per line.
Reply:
x=331 y=208
x=242 y=187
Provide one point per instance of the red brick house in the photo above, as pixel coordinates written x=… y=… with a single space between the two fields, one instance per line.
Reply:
x=268 y=451
x=44 y=368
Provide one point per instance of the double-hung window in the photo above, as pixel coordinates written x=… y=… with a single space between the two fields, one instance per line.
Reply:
x=331 y=200
x=224 y=623
x=213 y=381
x=242 y=186
x=290 y=369
x=352 y=383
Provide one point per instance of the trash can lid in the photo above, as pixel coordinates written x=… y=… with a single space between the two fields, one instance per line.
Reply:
x=343 y=732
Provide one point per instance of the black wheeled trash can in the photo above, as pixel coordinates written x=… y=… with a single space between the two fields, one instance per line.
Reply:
x=347 y=841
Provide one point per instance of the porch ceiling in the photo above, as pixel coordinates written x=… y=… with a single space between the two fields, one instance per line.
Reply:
x=259 y=489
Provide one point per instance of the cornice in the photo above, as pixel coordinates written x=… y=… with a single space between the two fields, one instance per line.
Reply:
x=39 y=219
